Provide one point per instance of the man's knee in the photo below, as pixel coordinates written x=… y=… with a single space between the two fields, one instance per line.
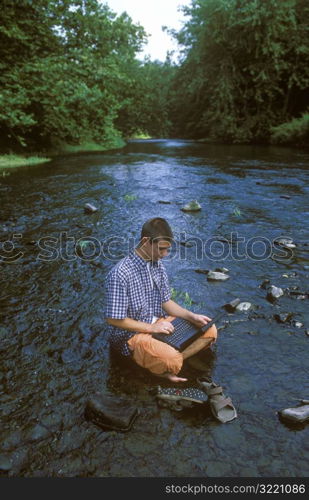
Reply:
x=156 y=356
x=211 y=333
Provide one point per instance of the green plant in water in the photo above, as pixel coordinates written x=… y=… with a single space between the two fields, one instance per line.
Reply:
x=130 y=197
x=237 y=212
x=83 y=244
x=183 y=297
x=188 y=301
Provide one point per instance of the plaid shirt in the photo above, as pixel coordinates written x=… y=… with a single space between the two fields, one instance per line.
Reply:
x=132 y=293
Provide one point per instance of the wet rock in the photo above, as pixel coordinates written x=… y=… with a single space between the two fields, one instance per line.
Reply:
x=298 y=324
x=89 y=208
x=38 y=433
x=70 y=356
x=274 y=293
x=12 y=440
x=202 y=271
x=290 y=275
x=145 y=445
x=29 y=350
x=70 y=440
x=218 y=469
x=283 y=318
x=285 y=242
x=19 y=460
x=165 y=202
x=265 y=284
x=244 y=306
x=285 y=196
x=5 y=463
x=70 y=466
x=221 y=270
x=216 y=276
x=294 y=291
x=192 y=206
x=307 y=332
x=296 y=414
x=52 y=420
x=231 y=306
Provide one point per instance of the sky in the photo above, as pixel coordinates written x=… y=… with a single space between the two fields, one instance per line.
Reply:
x=152 y=15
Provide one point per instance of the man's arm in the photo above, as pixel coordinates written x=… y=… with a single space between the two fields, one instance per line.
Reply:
x=140 y=327
x=173 y=309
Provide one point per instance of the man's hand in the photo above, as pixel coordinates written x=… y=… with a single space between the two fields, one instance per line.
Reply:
x=199 y=319
x=162 y=327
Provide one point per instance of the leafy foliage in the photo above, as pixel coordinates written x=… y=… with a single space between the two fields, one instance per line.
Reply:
x=244 y=69
x=69 y=74
x=294 y=132
x=66 y=72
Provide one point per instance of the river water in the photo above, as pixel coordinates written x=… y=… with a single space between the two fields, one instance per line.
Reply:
x=54 y=351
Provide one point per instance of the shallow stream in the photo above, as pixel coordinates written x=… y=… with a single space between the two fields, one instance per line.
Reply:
x=53 y=348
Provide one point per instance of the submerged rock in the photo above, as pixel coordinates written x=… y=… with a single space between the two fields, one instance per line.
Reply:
x=192 y=206
x=216 y=276
x=243 y=306
x=222 y=269
x=274 y=292
x=285 y=242
x=89 y=208
x=231 y=306
x=5 y=463
x=298 y=324
x=265 y=284
x=283 y=318
x=297 y=414
x=202 y=271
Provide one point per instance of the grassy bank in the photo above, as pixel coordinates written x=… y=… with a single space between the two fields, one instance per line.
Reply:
x=141 y=136
x=86 y=146
x=12 y=160
x=9 y=161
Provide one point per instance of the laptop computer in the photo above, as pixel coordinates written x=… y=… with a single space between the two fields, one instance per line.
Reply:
x=185 y=332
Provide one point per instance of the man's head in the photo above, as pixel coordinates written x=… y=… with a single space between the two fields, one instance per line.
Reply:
x=156 y=239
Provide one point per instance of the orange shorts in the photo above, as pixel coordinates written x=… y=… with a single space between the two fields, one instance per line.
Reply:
x=157 y=356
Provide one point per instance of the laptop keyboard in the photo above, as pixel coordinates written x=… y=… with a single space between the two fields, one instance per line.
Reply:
x=183 y=331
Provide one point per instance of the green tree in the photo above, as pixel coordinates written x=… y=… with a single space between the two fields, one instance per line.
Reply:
x=66 y=69
x=244 y=69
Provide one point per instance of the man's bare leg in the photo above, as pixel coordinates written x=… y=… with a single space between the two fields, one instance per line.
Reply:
x=172 y=377
x=196 y=346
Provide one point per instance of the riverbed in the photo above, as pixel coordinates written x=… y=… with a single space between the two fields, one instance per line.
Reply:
x=53 y=345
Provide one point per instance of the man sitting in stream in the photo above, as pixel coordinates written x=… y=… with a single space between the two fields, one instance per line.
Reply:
x=137 y=294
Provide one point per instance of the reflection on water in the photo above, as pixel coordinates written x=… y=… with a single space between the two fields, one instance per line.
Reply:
x=53 y=349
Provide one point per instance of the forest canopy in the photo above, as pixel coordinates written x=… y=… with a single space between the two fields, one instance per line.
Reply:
x=69 y=74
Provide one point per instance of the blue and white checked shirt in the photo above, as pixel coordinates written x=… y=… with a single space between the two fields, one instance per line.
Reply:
x=132 y=293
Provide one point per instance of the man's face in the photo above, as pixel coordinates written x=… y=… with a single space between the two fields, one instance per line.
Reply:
x=156 y=249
